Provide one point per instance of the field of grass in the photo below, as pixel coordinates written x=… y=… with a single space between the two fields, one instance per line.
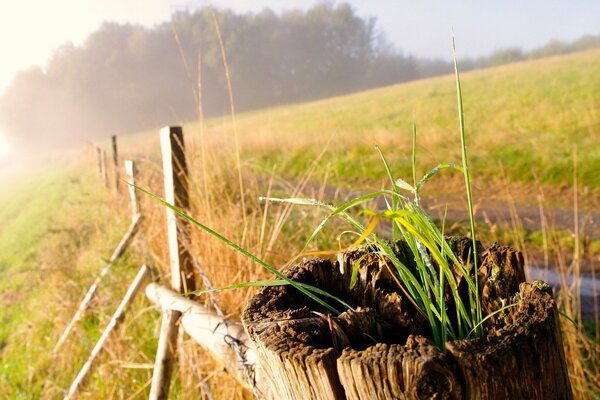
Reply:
x=57 y=228
x=527 y=116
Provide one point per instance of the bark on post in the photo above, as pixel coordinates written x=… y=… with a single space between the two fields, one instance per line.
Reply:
x=117 y=318
x=381 y=350
x=182 y=274
x=175 y=172
x=130 y=171
x=115 y=156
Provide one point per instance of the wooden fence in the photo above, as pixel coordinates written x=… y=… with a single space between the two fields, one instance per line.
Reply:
x=223 y=338
x=294 y=369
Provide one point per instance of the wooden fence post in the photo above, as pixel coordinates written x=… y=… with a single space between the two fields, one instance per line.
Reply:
x=130 y=172
x=90 y=150
x=176 y=192
x=115 y=155
x=142 y=275
x=165 y=355
x=87 y=299
x=99 y=160
x=104 y=173
x=216 y=334
x=182 y=274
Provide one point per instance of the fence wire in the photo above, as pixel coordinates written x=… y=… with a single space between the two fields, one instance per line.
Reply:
x=235 y=344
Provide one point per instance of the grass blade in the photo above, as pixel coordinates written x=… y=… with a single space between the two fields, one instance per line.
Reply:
x=274 y=271
x=461 y=122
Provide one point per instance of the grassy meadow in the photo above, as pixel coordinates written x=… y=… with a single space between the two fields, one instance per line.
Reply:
x=527 y=116
x=531 y=128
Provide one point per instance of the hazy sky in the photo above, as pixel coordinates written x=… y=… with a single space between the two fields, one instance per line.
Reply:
x=31 y=29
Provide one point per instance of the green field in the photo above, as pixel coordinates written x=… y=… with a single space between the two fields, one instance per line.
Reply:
x=56 y=228
x=524 y=122
x=528 y=116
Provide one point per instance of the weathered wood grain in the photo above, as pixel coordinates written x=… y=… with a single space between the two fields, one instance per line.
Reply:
x=175 y=174
x=380 y=349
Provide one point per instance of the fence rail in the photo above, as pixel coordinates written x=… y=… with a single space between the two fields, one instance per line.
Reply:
x=224 y=339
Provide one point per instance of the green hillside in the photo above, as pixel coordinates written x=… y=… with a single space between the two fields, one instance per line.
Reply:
x=56 y=228
x=528 y=116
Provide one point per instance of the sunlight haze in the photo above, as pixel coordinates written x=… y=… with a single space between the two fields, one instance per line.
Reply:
x=30 y=31
x=5 y=147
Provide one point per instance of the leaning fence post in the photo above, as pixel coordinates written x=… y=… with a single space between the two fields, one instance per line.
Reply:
x=182 y=275
x=115 y=161
x=130 y=172
x=117 y=318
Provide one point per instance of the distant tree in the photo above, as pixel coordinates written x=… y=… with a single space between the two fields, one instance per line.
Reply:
x=586 y=42
x=505 y=56
x=553 y=48
x=125 y=77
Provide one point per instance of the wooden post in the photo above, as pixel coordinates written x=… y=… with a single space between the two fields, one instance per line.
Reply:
x=116 y=319
x=103 y=167
x=176 y=192
x=90 y=150
x=130 y=172
x=87 y=299
x=165 y=355
x=182 y=274
x=381 y=349
x=99 y=161
x=115 y=161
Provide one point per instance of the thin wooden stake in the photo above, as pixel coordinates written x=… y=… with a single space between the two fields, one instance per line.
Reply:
x=130 y=172
x=182 y=274
x=115 y=155
x=90 y=150
x=116 y=319
x=99 y=161
x=103 y=167
x=165 y=356
x=176 y=192
x=87 y=299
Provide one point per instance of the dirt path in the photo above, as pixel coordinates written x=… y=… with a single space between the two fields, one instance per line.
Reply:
x=497 y=212
x=491 y=209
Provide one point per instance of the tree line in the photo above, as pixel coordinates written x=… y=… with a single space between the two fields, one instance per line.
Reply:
x=126 y=78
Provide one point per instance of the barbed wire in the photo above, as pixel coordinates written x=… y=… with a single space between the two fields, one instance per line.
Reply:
x=238 y=347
